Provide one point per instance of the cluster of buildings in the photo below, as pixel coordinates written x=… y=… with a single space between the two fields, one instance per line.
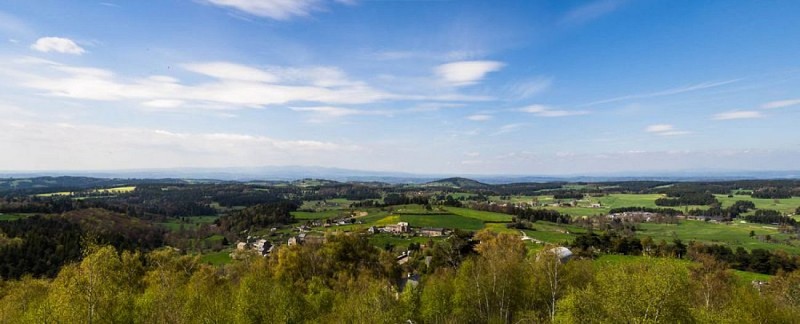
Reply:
x=258 y=245
x=402 y=228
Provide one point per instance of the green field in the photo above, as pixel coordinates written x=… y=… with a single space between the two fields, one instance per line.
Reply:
x=612 y=259
x=734 y=235
x=216 y=258
x=480 y=215
x=325 y=214
x=174 y=224
x=400 y=243
x=786 y=206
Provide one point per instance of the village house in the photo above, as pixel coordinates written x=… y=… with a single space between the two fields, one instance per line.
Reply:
x=432 y=231
x=401 y=227
x=261 y=246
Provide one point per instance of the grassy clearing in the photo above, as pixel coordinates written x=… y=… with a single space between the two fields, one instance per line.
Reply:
x=12 y=217
x=748 y=277
x=174 y=224
x=480 y=215
x=321 y=205
x=325 y=214
x=216 y=258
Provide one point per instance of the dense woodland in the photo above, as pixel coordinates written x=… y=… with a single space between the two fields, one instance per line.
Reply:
x=348 y=280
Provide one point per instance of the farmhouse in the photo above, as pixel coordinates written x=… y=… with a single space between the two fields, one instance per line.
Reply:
x=432 y=231
x=401 y=227
x=262 y=246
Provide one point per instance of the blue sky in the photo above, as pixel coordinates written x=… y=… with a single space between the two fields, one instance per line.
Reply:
x=459 y=87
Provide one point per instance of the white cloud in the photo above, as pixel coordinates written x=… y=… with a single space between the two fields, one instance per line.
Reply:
x=738 y=114
x=466 y=72
x=327 y=113
x=479 y=117
x=658 y=128
x=275 y=9
x=781 y=104
x=664 y=130
x=333 y=111
x=163 y=103
x=545 y=111
x=230 y=71
x=62 y=146
x=57 y=44
x=233 y=86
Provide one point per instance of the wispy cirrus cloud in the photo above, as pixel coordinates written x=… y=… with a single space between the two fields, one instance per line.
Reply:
x=58 y=45
x=781 y=104
x=545 y=111
x=667 y=92
x=529 y=88
x=738 y=114
x=664 y=130
x=591 y=11
x=465 y=73
x=508 y=128
x=276 y=9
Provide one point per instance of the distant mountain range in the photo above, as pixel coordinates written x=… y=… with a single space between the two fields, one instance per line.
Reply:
x=292 y=173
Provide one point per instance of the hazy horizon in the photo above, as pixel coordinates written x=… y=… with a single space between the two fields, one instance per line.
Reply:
x=534 y=88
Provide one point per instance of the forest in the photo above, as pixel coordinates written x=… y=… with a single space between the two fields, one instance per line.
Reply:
x=348 y=280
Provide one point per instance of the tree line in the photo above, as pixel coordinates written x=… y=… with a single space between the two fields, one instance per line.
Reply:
x=348 y=280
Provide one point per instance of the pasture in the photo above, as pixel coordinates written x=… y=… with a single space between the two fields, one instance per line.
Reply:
x=175 y=224
x=785 y=206
x=480 y=215
x=733 y=235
